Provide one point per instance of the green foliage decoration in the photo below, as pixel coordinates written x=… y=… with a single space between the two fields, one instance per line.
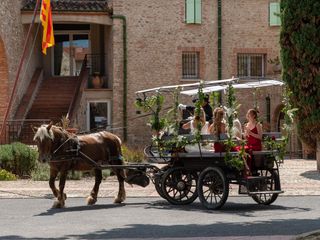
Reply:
x=233 y=160
x=153 y=105
x=214 y=99
x=172 y=116
x=300 y=58
x=198 y=110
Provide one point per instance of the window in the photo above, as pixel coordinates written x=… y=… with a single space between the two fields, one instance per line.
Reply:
x=98 y=115
x=251 y=65
x=193 y=11
x=190 y=65
x=274 y=11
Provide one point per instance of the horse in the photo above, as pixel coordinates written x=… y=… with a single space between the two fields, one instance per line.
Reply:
x=66 y=151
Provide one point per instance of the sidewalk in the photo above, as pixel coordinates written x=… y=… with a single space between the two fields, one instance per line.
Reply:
x=298 y=177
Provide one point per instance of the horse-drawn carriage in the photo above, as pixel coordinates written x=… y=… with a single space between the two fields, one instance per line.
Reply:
x=182 y=176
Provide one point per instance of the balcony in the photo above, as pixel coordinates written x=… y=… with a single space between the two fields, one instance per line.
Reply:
x=98 y=77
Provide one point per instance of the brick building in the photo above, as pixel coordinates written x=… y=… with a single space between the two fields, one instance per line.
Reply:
x=133 y=45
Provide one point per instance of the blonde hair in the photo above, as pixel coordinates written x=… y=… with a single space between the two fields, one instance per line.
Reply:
x=218 y=117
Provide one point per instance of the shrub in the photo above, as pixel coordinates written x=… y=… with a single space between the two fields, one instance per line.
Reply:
x=300 y=57
x=7 y=176
x=132 y=155
x=18 y=158
x=41 y=172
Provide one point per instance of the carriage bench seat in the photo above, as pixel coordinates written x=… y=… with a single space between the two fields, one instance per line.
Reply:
x=205 y=154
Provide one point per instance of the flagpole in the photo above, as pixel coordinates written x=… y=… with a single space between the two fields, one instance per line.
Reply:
x=3 y=126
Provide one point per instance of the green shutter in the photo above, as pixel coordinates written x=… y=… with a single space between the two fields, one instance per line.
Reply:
x=197 y=4
x=274 y=11
x=190 y=11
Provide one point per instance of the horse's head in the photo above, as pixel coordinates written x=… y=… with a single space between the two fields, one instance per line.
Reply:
x=48 y=139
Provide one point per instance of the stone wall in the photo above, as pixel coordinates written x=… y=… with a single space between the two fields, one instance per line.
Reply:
x=13 y=35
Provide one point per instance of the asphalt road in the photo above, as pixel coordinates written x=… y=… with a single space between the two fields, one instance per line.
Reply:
x=148 y=218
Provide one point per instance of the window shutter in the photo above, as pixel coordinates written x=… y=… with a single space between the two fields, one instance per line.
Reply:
x=274 y=11
x=190 y=11
x=197 y=11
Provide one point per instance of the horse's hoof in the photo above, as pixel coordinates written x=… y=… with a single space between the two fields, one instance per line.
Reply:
x=118 y=200
x=91 y=200
x=58 y=204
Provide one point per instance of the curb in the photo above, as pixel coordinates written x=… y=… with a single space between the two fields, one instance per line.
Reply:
x=313 y=235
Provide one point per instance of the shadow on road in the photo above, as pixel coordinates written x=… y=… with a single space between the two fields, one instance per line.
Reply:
x=288 y=227
x=234 y=208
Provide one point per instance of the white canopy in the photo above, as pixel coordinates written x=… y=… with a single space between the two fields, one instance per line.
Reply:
x=255 y=84
x=172 y=87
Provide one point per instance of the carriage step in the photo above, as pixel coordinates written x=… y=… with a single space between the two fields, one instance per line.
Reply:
x=265 y=192
x=253 y=178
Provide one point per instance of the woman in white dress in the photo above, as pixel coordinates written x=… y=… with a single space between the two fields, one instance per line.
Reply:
x=193 y=125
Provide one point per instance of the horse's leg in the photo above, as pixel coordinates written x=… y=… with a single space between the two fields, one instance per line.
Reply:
x=92 y=199
x=61 y=195
x=52 y=179
x=122 y=192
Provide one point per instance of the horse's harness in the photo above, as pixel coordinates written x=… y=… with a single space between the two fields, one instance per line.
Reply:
x=73 y=152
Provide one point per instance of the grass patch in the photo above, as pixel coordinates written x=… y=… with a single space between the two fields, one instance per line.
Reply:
x=131 y=154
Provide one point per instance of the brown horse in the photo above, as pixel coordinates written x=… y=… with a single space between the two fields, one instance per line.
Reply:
x=65 y=151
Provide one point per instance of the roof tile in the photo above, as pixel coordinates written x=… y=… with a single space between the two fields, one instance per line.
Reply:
x=72 y=5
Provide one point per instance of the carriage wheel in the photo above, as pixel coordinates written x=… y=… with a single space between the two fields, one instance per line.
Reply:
x=213 y=188
x=271 y=183
x=179 y=186
x=158 y=179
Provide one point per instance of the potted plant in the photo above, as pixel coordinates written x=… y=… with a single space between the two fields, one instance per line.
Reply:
x=97 y=80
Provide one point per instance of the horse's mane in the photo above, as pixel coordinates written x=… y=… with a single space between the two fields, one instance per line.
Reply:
x=43 y=132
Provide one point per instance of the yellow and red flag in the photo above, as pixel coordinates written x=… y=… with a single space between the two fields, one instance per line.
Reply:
x=46 y=20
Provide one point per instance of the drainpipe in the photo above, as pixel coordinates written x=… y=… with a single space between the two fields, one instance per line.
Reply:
x=125 y=81
x=219 y=46
x=3 y=126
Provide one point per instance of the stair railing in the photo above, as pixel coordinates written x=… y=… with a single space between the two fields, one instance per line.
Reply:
x=38 y=76
x=82 y=82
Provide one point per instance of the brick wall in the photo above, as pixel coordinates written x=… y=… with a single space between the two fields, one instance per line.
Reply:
x=157 y=35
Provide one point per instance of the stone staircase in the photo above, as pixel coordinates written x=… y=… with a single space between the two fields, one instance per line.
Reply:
x=51 y=102
x=53 y=98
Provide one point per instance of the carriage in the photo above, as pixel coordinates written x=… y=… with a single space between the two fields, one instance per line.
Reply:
x=179 y=176
x=203 y=173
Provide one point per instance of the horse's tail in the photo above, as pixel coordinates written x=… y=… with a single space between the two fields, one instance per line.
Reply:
x=122 y=172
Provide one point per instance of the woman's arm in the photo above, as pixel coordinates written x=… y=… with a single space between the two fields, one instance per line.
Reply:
x=223 y=128
x=186 y=125
x=210 y=129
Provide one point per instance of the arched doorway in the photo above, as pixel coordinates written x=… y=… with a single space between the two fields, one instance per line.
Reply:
x=4 y=83
x=277 y=118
